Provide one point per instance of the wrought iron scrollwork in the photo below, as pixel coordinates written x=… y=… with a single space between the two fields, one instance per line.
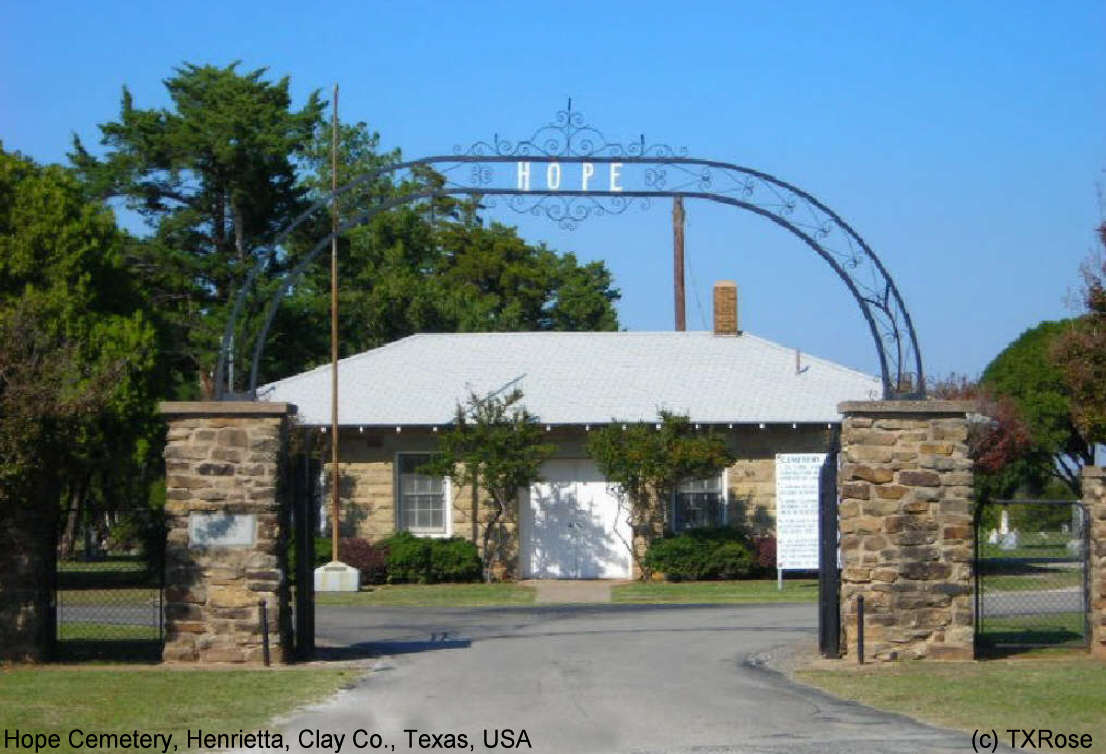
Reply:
x=568 y=135
x=636 y=173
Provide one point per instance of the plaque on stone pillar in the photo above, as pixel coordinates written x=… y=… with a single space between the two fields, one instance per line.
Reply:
x=221 y=529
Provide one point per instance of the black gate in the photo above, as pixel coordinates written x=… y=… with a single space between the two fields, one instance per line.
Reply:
x=829 y=574
x=110 y=588
x=1031 y=575
x=305 y=523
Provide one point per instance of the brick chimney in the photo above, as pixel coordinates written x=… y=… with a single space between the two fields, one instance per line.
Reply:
x=725 y=308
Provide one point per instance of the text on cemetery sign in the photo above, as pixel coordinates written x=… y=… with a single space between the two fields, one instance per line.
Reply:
x=554 y=175
x=797 y=483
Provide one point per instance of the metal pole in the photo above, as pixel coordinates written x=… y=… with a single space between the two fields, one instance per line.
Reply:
x=678 y=260
x=860 y=630
x=264 y=631
x=334 y=329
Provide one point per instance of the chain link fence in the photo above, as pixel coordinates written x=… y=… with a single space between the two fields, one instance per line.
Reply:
x=1031 y=575
x=110 y=589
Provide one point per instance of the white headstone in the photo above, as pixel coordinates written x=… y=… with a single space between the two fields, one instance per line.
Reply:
x=336 y=576
x=1009 y=541
x=992 y=539
x=1004 y=522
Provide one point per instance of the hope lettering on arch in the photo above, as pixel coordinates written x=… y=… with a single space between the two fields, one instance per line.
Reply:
x=554 y=175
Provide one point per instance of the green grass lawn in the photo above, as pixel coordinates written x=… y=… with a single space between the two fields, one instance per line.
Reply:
x=699 y=592
x=1031 y=545
x=84 y=631
x=107 y=642
x=1025 y=630
x=1037 y=580
x=1065 y=694
x=121 y=596
x=169 y=701
x=113 y=563
x=433 y=595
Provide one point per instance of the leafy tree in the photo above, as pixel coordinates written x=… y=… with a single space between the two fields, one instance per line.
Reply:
x=77 y=351
x=62 y=268
x=494 y=444
x=215 y=178
x=647 y=462
x=1026 y=373
x=1080 y=352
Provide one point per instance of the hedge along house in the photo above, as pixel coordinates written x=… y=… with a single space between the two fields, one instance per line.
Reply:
x=764 y=397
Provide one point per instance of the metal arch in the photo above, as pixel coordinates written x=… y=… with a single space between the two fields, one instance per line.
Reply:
x=667 y=173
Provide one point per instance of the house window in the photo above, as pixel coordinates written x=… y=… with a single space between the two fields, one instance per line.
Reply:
x=421 y=498
x=699 y=502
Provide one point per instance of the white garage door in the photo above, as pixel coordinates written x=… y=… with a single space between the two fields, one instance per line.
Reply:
x=572 y=527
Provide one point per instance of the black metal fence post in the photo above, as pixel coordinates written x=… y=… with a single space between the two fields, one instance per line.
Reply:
x=264 y=618
x=829 y=577
x=304 y=525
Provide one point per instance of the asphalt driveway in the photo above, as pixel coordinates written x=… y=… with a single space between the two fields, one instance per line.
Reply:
x=610 y=678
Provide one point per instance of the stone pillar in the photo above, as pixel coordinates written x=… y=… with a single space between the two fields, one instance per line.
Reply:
x=907 y=538
x=1094 y=497
x=227 y=524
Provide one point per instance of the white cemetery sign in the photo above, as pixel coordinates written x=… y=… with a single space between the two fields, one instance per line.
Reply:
x=797 y=478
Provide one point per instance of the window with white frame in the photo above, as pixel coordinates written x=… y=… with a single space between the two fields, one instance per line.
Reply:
x=420 y=498
x=699 y=502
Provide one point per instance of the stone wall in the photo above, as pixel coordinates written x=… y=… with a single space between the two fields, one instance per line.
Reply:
x=227 y=524
x=1094 y=497
x=907 y=539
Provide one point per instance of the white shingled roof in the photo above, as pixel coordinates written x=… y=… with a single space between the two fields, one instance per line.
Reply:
x=579 y=378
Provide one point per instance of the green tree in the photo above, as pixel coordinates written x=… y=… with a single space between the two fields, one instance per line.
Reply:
x=646 y=462
x=1025 y=372
x=77 y=374
x=430 y=266
x=494 y=444
x=62 y=267
x=215 y=178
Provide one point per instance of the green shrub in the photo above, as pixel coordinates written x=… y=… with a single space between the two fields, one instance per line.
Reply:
x=678 y=558
x=732 y=560
x=697 y=554
x=454 y=560
x=408 y=558
x=425 y=560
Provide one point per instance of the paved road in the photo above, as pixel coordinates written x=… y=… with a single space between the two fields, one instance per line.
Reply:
x=598 y=679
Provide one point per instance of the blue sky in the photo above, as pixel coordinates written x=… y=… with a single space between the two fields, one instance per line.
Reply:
x=963 y=141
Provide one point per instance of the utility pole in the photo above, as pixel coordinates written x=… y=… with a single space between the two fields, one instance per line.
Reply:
x=334 y=329
x=678 y=260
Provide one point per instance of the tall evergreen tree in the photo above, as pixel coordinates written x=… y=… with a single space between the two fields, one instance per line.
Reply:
x=215 y=178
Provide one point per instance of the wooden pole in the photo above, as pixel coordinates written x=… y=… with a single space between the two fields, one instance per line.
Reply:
x=678 y=260
x=334 y=329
